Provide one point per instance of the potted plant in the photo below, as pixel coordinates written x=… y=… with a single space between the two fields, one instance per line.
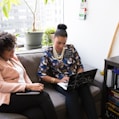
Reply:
x=31 y=36
x=34 y=36
x=47 y=38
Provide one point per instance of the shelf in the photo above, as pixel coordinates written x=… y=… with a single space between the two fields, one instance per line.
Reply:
x=110 y=96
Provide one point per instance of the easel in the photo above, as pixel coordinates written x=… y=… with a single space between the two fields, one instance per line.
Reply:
x=112 y=44
x=113 y=41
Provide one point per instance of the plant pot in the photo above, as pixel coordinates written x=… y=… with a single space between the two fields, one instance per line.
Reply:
x=52 y=36
x=33 y=40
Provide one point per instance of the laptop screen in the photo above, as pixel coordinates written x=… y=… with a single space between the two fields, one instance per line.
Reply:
x=81 y=78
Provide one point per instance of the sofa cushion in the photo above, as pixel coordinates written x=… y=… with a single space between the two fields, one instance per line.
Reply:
x=31 y=62
x=57 y=98
x=11 y=116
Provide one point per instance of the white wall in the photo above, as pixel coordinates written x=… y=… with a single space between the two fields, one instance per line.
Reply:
x=92 y=37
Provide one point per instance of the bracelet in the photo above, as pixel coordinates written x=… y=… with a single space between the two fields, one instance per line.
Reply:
x=53 y=80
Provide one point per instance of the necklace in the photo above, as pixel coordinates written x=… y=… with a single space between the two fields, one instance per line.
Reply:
x=58 y=57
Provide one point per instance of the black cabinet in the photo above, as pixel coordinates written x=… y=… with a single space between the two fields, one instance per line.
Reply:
x=110 y=97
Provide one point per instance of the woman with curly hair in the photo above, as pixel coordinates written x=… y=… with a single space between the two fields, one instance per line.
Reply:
x=14 y=79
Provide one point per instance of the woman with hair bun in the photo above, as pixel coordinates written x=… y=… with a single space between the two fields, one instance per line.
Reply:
x=63 y=60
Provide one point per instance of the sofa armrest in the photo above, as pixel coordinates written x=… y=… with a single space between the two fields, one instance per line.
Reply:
x=98 y=81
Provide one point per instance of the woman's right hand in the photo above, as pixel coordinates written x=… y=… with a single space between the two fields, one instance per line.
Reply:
x=35 y=86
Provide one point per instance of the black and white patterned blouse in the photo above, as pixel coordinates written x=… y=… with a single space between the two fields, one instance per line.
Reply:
x=69 y=65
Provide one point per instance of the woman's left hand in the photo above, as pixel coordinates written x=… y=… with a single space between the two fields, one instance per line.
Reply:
x=35 y=87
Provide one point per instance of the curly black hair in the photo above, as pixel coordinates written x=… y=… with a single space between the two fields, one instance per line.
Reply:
x=7 y=41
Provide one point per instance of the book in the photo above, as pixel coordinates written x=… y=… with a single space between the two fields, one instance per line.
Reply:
x=28 y=93
x=115 y=94
x=111 y=115
x=113 y=111
x=111 y=105
x=113 y=100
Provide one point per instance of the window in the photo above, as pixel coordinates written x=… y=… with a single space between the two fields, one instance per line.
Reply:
x=20 y=17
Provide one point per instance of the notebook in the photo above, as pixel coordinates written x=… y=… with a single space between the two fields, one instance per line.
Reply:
x=28 y=93
x=79 y=79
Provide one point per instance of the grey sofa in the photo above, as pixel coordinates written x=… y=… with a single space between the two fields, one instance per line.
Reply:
x=30 y=61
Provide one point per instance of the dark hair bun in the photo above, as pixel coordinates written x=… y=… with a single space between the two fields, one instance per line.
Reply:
x=62 y=27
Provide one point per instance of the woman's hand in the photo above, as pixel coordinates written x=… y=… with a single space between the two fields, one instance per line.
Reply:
x=65 y=79
x=80 y=70
x=35 y=87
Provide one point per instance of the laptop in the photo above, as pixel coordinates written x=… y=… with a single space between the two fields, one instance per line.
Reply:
x=79 y=79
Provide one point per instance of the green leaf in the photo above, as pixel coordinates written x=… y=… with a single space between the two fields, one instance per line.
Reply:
x=6 y=6
x=5 y=11
x=9 y=4
x=45 y=1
